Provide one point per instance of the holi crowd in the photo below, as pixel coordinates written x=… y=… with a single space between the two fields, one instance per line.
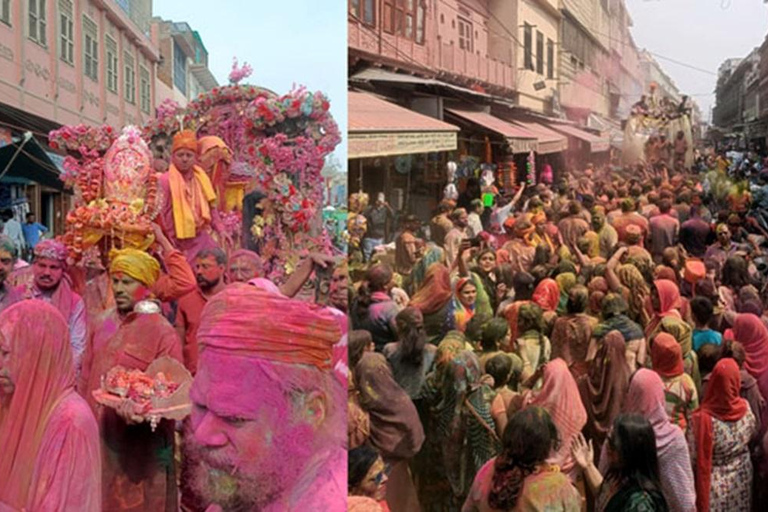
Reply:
x=600 y=343
x=266 y=431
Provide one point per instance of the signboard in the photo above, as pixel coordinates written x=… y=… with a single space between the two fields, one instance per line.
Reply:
x=367 y=145
x=523 y=145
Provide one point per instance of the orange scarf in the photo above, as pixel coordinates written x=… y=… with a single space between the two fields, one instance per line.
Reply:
x=183 y=213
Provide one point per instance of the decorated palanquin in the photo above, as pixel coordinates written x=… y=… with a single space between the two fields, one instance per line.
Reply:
x=251 y=139
x=115 y=189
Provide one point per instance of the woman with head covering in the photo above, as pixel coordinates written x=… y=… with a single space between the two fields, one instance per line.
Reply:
x=598 y=288
x=627 y=280
x=646 y=397
x=461 y=427
x=49 y=436
x=632 y=482
x=604 y=387
x=615 y=319
x=665 y=301
x=374 y=309
x=547 y=296
x=572 y=333
x=683 y=333
x=484 y=270
x=531 y=345
x=433 y=299
x=753 y=336
x=559 y=395
x=720 y=433
x=679 y=389
x=433 y=254
x=521 y=478
x=565 y=281
x=462 y=307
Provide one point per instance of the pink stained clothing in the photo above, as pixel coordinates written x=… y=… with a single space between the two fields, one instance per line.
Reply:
x=546 y=489
x=559 y=395
x=664 y=230
x=646 y=397
x=571 y=229
x=50 y=454
x=190 y=246
x=751 y=332
x=135 y=476
x=321 y=486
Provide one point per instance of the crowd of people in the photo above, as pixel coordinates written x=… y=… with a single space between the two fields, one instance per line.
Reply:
x=266 y=430
x=600 y=344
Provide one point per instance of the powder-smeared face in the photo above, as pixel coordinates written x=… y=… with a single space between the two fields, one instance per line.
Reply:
x=184 y=159
x=374 y=485
x=487 y=261
x=339 y=293
x=468 y=295
x=127 y=291
x=6 y=264
x=6 y=378
x=242 y=270
x=48 y=273
x=208 y=272
x=246 y=443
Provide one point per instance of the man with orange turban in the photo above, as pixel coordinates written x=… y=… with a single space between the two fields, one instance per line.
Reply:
x=189 y=211
x=267 y=430
x=138 y=464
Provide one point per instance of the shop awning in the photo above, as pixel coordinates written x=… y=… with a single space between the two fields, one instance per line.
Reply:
x=596 y=143
x=380 y=128
x=32 y=163
x=549 y=140
x=520 y=140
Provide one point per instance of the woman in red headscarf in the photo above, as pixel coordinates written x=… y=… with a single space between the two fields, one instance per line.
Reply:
x=752 y=333
x=665 y=301
x=547 y=296
x=49 y=439
x=679 y=389
x=721 y=430
x=433 y=299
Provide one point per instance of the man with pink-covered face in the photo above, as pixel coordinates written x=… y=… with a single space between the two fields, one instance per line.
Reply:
x=53 y=286
x=267 y=426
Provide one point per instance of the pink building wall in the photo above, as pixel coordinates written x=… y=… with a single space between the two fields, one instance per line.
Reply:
x=35 y=79
x=440 y=54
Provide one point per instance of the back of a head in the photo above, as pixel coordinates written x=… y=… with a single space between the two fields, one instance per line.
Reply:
x=378 y=277
x=499 y=367
x=708 y=355
x=702 y=310
x=524 y=285
x=578 y=299
x=665 y=205
x=412 y=336
x=529 y=317
x=475 y=328
x=530 y=436
x=634 y=441
x=493 y=332
x=358 y=341
x=574 y=208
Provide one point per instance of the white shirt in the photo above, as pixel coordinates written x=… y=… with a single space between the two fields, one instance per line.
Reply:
x=12 y=230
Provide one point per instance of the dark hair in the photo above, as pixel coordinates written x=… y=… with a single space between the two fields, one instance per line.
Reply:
x=357 y=341
x=665 y=205
x=474 y=329
x=360 y=460
x=735 y=273
x=412 y=336
x=493 y=332
x=529 y=317
x=702 y=309
x=709 y=354
x=504 y=274
x=578 y=299
x=376 y=280
x=499 y=367
x=541 y=255
x=30 y=214
x=217 y=253
x=634 y=441
x=524 y=285
x=528 y=439
x=735 y=351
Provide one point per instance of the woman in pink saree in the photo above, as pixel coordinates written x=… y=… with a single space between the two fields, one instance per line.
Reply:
x=50 y=441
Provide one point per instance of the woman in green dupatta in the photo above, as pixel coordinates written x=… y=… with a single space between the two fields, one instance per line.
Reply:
x=684 y=336
x=461 y=428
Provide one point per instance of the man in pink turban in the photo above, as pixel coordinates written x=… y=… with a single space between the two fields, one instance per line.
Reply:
x=52 y=285
x=267 y=430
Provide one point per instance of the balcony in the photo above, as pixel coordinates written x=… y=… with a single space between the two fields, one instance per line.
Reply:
x=462 y=64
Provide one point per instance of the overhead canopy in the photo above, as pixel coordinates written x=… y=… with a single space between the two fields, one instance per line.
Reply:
x=596 y=143
x=519 y=139
x=32 y=163
x=382 y=75
x=550 y=141
x=380 y=128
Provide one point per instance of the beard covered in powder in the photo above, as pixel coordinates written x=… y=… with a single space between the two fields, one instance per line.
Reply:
x=255 y=482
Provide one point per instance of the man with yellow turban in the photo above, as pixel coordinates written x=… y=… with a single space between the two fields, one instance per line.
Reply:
x=138 y=464
x=189 y=210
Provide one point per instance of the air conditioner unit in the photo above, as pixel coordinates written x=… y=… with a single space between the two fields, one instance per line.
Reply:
x=398 y=199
